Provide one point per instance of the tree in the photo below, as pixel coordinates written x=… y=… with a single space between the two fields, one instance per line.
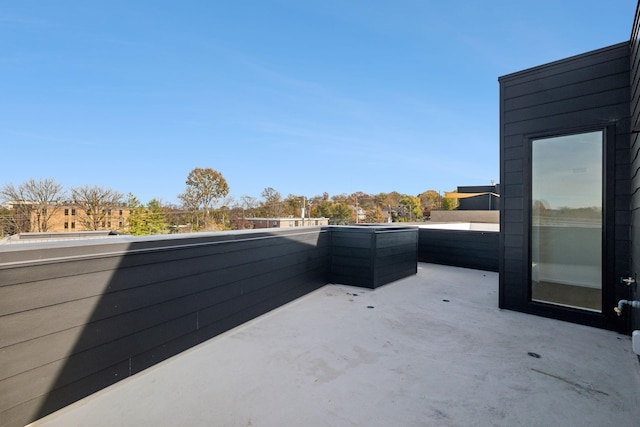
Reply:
x=375 y=215
x=412 y=208
x=341 y=214
x=147 y=220
x=156 y=220
x=192 y=207
x=137 y=216
x=249 y=205
x=429 y=200
x=293 y=205
x=34 y=203
x=272 y=204
x=205 y=187
x=450 y=203
x=96 y=204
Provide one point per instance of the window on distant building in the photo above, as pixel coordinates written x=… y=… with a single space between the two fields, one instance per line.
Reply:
x=73 y=212
x=66 y=212
x=73 y=225
x=66 y=225
x=120 y=212
x=109 y=224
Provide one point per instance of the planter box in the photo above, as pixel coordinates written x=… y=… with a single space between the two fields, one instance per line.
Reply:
x=372 y=256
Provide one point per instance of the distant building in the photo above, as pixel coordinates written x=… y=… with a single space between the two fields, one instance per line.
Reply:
x=479 y=198
x=286 y=222
x=66 y=217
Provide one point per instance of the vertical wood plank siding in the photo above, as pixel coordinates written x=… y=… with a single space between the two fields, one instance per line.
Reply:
x=588 y=90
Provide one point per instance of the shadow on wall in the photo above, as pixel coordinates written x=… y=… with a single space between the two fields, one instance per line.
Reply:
x=81 y=317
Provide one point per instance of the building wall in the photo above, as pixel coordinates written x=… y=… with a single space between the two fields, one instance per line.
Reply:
x=482 y=202
x=465 y=216
x=70 y=218
x=588 y=90
x=635 y=166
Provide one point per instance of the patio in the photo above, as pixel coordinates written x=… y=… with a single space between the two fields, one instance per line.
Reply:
x=430 y=349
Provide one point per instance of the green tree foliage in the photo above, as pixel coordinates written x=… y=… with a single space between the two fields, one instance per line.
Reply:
x=156 y=219
x=450 y=203
x=205 y=187
x=411 y=208
x=137 y=214
x=341 y=214
x=147 y=220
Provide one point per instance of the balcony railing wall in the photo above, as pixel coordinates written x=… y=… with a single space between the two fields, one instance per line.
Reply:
x=79 y=316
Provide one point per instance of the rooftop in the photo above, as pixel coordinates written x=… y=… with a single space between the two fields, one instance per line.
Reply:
x=430 y=349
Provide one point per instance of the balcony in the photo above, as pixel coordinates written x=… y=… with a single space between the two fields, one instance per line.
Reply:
x=430 y=349
x=243 y=329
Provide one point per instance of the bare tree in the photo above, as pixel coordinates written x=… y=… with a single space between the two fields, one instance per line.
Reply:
x=190 y=204
x=34 y=203
x=96 y=204
x=272 y=202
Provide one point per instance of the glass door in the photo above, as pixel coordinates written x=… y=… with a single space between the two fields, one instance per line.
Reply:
x=567 y=220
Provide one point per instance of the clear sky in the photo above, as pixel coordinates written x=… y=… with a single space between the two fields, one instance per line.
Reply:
x=304 y=96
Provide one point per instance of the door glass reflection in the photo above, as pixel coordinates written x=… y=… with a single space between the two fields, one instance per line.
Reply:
x=566 y=220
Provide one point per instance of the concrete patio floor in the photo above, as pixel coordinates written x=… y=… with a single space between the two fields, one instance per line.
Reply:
x=428 y=350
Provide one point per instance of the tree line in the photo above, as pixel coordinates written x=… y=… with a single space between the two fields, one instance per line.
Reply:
x=205 y=204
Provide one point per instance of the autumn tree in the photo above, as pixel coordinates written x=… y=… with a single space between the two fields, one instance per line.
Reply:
x=205 y=187
x=293 y=205
x=34 y=203
x=338 y=213
x=411 y=207
x=375 y=215
x=429 y=200
x=96 y=204
x=450 y=203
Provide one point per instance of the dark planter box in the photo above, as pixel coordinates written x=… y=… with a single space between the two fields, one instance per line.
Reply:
x=372 y=256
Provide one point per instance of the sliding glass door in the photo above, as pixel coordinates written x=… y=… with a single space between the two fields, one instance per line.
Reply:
x=567 y=220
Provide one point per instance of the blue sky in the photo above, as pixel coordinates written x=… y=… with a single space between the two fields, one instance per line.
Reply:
x=303 y=96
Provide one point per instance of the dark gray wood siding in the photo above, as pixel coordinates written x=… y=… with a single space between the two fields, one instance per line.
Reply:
x=634 y=155
x=576 y=94
x=77 y=318
x=460 y=248
x=373 y=256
